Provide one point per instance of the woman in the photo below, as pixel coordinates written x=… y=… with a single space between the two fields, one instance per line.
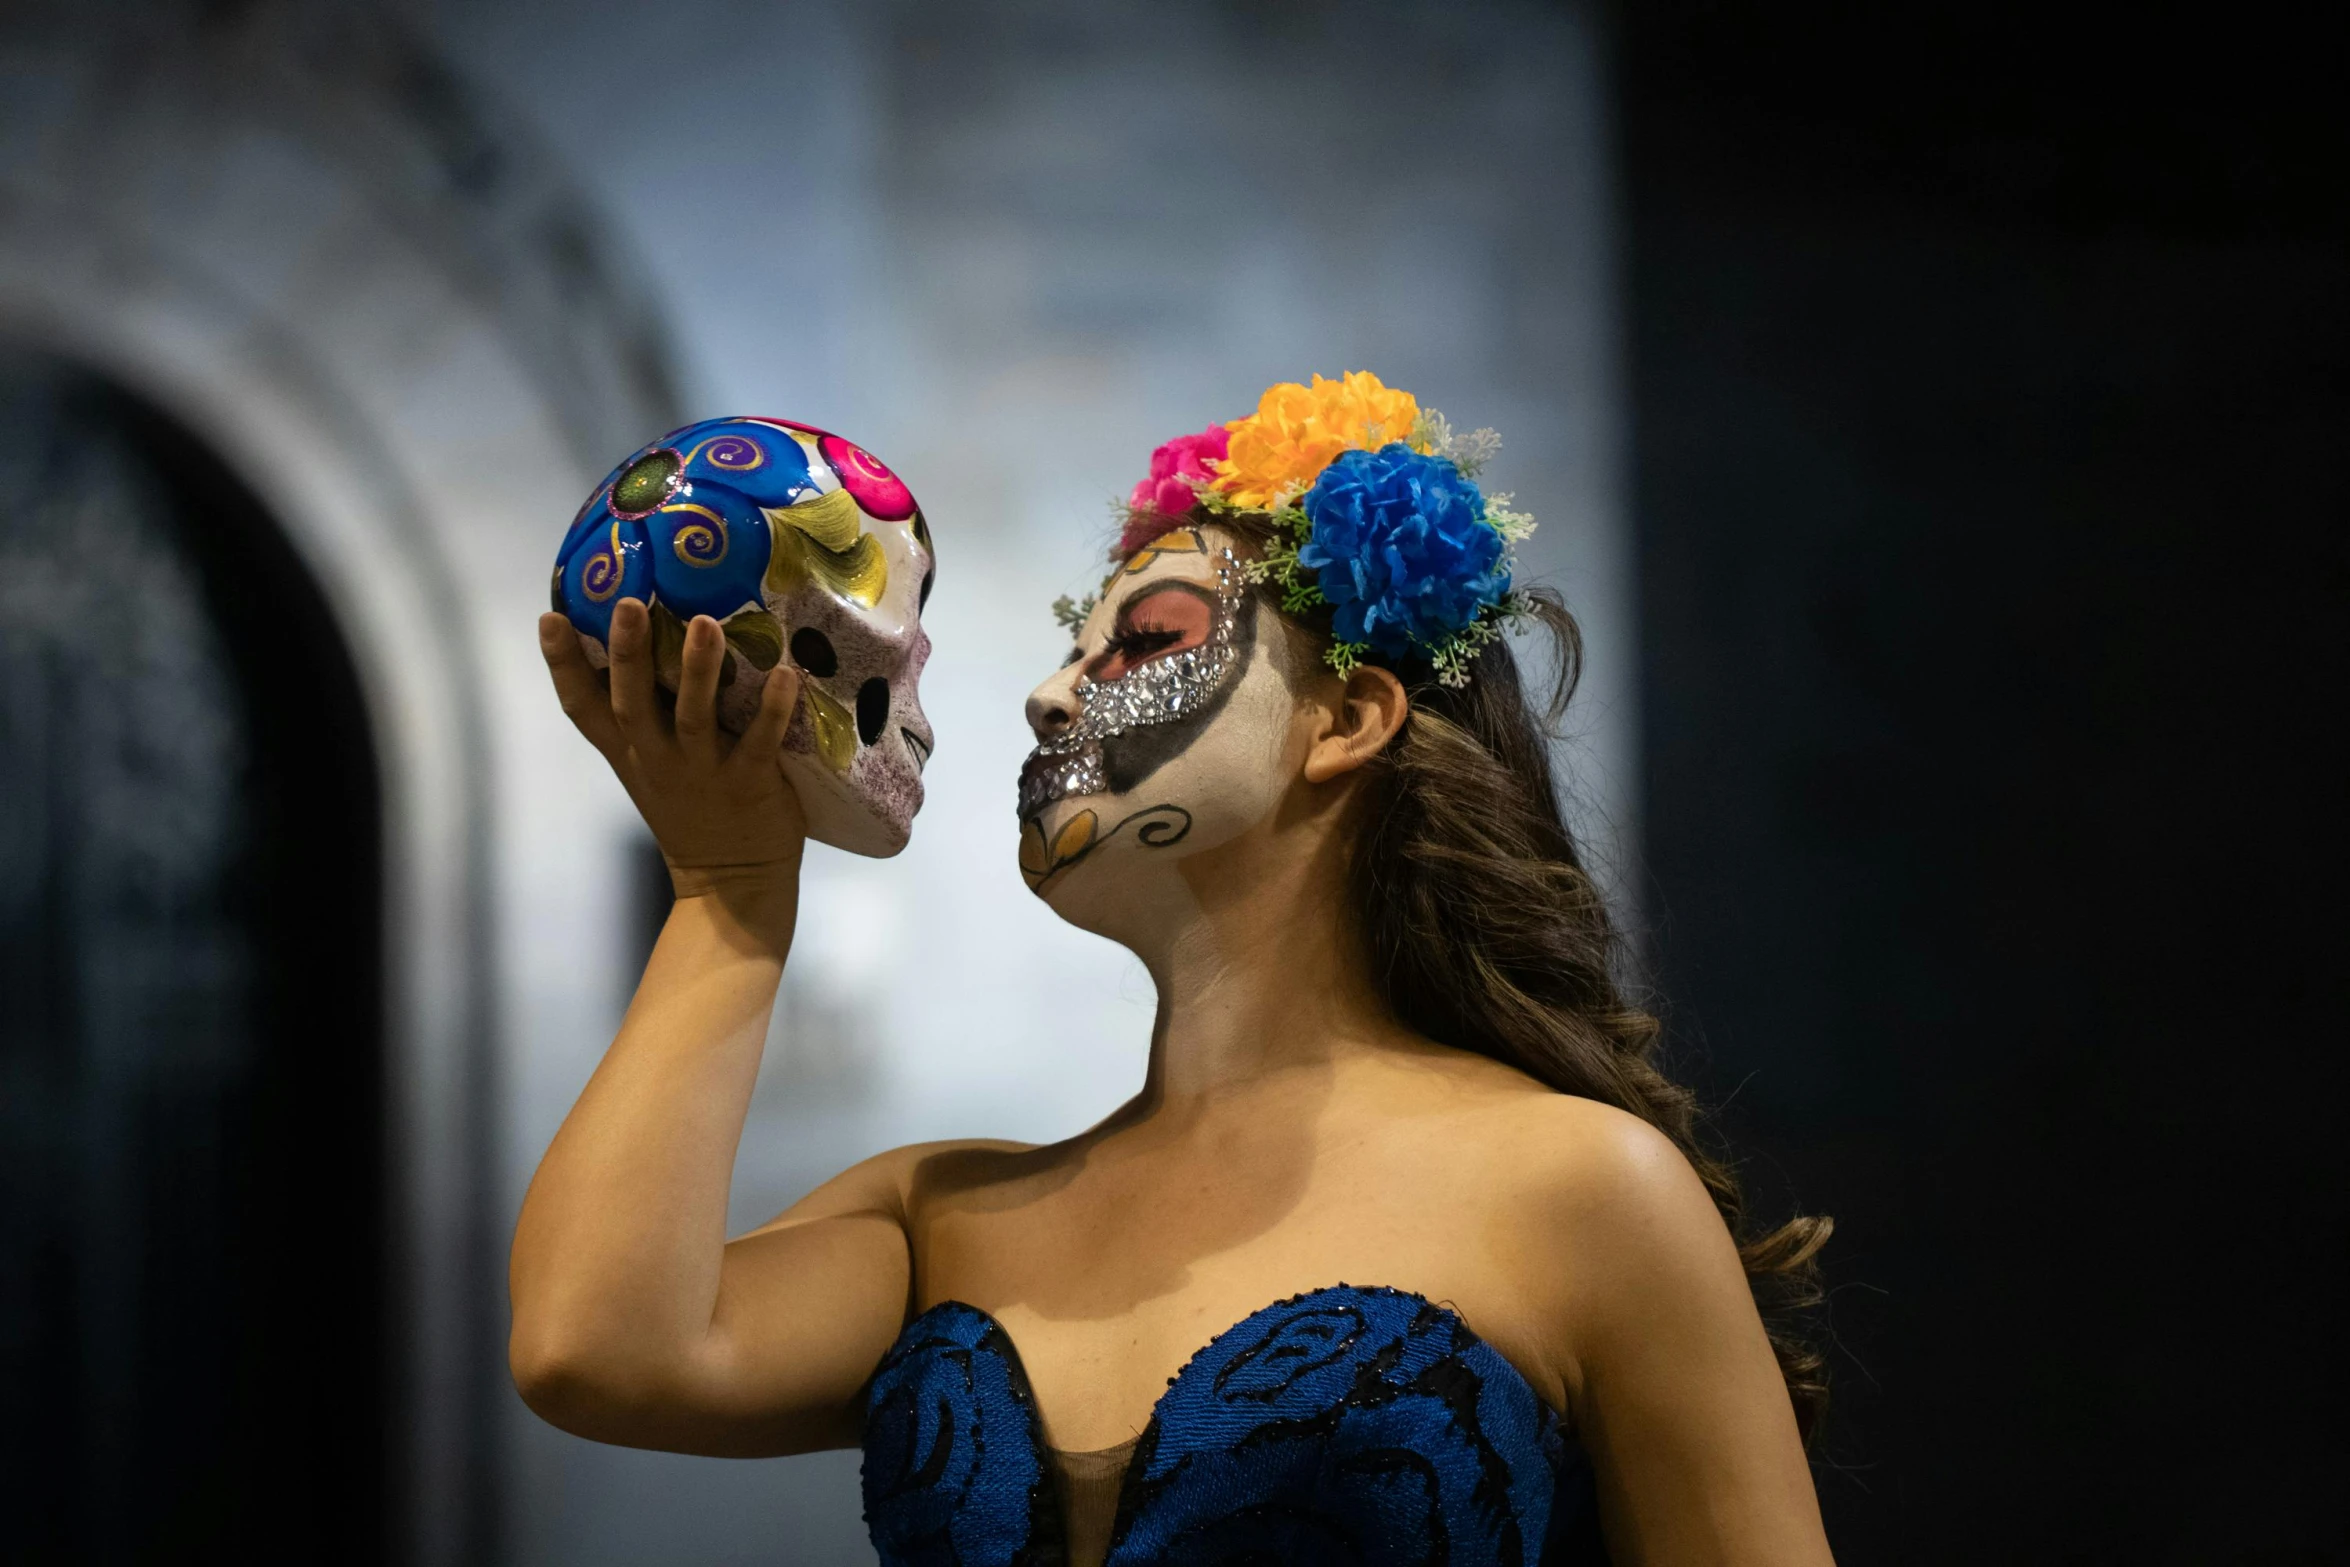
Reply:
x=1393 y=1092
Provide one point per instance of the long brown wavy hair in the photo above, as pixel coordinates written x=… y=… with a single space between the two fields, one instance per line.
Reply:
x=1488 y=933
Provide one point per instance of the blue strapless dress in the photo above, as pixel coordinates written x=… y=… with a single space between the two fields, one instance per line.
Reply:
x=1344 y=1425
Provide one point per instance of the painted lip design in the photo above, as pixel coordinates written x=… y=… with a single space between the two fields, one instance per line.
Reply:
x=1159 y=692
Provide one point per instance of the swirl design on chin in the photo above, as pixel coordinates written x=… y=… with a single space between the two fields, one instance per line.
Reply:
x=1158 y=826
x=698 y=544
x=1162 y=826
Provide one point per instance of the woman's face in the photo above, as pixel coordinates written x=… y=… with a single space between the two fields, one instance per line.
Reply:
x=1166 y=734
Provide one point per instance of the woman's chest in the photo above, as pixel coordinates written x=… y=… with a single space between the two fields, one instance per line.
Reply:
x=1340 y=1424
x=1109 y=1286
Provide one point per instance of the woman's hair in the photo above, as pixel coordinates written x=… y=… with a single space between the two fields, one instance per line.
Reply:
x=1487 y=933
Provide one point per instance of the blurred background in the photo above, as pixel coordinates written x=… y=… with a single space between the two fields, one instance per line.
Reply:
x=1937 y=422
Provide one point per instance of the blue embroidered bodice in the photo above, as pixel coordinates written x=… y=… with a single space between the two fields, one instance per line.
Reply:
x=1344 y=1425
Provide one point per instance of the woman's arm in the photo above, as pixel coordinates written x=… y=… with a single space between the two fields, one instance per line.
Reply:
x=1670 y=1377
x=634 y=1321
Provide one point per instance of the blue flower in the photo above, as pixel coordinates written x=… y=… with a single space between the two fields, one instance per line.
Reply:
x=1401 y=549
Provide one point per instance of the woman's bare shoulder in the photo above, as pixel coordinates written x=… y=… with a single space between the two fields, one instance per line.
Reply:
x=1606 y=1222
x=901 y=1181
x=1530 y=1136
x=1577 y=1166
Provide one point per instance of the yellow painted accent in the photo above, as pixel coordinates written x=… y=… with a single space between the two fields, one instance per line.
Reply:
x=787 y=560
x=1033 y=855
x=1182 y=541
x=824 y=539
x=1075 y=837
x=756 y=635
x=831 y=519
x=668 y=645
x=836 y=731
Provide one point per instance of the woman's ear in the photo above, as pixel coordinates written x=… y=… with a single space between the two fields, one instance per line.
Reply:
x=1370 y=708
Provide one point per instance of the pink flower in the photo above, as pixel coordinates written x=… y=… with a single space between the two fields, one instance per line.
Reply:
x=867 y=478
x=1178 y=469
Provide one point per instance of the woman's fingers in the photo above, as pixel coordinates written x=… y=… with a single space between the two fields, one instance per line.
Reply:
x=634 y=707
x=777 y=699
x=584 y=699
x=697 y=690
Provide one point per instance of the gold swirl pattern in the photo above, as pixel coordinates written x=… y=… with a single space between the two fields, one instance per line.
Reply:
x=699 y=544
x=600 y=575
x=836 y=731
x=824 y=538
x=735 y=453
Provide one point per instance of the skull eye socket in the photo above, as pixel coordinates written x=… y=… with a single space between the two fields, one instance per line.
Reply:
x=928 y=578
x=812 y=651
x=872 y=709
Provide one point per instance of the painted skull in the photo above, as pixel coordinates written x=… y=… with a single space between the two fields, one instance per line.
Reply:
x=800 y=545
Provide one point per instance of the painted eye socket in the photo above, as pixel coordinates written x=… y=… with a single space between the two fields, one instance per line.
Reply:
x=1152 y=625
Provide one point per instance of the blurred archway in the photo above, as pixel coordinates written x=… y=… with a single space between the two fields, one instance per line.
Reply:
x=351 y=351
x=190 y=941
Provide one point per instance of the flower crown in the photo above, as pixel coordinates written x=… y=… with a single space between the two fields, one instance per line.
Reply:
x=1374 y=510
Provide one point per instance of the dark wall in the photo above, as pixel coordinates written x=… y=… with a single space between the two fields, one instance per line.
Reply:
x=192 y=1240
x=1991 y=382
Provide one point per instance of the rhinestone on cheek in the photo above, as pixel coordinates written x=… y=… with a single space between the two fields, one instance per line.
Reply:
x=1160 y=692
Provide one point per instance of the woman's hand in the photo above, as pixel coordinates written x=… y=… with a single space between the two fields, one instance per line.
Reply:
x=721 y=810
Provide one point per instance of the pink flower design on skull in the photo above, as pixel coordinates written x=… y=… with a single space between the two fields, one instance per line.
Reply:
x=881 y=493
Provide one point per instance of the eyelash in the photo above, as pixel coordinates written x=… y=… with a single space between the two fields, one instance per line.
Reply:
x=1134 y=646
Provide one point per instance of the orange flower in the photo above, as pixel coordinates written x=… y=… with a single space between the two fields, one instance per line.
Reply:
x=1279 y=450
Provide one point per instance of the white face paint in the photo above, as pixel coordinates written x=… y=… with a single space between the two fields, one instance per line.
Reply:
x=1166 y=735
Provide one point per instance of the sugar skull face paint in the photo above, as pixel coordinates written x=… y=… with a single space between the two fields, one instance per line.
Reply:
x=801 y=545
x=1163 y=736
x=1171 y=651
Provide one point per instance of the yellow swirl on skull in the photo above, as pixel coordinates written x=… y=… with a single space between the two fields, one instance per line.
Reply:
x=824 y=538
x=738 y=454
x=698 y=543
x=601 y=574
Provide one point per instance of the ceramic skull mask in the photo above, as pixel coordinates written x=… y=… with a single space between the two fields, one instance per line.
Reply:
x=802 y=546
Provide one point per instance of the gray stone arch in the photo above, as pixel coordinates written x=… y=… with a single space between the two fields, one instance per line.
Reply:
x=287 y=227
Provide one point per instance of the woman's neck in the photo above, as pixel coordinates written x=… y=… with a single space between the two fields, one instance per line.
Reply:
x=1265 y=974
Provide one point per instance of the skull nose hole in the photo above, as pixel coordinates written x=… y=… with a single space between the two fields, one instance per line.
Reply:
x=872 y=709
x=812 y=651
